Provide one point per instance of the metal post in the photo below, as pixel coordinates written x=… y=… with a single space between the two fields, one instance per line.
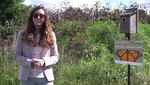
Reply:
x=128 y=36
x=128 y=74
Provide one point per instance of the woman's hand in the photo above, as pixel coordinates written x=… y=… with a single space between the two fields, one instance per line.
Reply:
x=38 y=62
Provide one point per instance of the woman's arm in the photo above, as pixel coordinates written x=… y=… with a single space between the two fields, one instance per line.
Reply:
x=18 y=51
x=53 y=58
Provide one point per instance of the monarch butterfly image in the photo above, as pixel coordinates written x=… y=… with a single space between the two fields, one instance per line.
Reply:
x=128 y=55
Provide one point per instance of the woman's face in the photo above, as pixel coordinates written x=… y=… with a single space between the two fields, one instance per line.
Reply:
x=38 y=18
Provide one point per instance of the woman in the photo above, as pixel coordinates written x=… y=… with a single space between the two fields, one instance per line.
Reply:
x=36 y=50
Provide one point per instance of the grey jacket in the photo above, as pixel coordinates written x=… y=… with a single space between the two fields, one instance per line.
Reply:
x=23 y=56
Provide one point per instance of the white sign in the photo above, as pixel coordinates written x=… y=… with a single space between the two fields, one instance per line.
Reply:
x=129 y=52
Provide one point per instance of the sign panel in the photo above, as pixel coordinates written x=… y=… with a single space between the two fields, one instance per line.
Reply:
x=129 y=52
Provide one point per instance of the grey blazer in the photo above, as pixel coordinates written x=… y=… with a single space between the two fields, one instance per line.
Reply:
x=23 y=56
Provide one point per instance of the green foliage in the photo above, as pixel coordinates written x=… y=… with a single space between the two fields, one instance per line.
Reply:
x=85 y=46
x=7 y=31
x=98 y=67
x=91 y=46
x=72 y=38
x=11 y=10
x=8 y=70
x=99 y=71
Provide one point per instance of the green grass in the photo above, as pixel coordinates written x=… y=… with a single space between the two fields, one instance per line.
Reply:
x=96 y=66
x=8 y=70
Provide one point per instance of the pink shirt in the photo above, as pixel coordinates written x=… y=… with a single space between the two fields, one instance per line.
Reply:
x=37 y=72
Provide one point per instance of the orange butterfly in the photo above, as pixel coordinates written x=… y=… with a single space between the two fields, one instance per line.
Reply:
x=128 y=55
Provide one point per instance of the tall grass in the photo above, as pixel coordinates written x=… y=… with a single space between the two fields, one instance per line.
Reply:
x=99 y=68
x=8 y=70
x=96 y=66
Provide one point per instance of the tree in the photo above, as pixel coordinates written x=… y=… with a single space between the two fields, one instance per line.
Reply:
x=11 y=9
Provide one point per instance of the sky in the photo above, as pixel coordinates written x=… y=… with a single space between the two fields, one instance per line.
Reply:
x=77 y=3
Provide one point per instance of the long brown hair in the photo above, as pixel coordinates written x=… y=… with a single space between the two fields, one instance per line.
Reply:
x=46 y=33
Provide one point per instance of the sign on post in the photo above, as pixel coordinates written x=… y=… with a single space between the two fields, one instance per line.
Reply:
x=129 y=52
